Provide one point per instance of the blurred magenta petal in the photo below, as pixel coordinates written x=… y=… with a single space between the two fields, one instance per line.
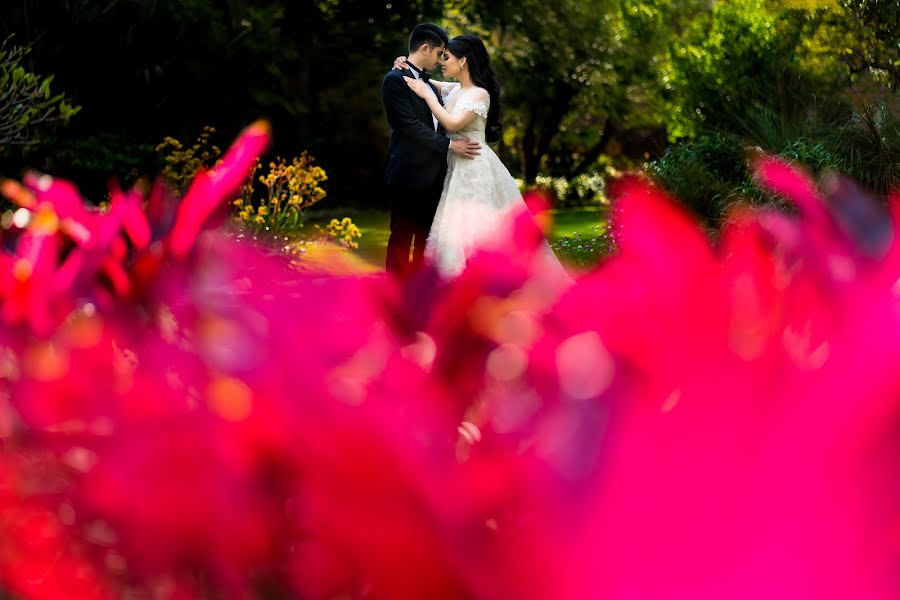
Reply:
x=134 y=220
x=213 y=189
x=62 y=195
x=692 y=418
x=792 y=183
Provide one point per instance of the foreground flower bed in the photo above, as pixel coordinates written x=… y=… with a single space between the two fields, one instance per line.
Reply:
x=187 y=416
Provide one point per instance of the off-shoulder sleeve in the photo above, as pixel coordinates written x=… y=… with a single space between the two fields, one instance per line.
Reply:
x=477 y=101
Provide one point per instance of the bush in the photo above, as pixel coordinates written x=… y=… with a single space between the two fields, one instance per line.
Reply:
x=344 y=232
x=289 y=189
x=183 y=163
x=746 y=55
x=860 y=138
x=711 y=172
x=587 y=189
x=868 y=142
x=25 y=99
x=705 y=173
x=273 y=202
x=784 y=79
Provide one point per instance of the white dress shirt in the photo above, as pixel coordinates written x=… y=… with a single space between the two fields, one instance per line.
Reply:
x=430 y=89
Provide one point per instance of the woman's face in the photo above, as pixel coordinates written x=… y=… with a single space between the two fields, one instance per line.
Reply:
x=452 y=65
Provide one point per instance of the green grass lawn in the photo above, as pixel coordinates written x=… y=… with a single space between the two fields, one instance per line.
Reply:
x=375 y=226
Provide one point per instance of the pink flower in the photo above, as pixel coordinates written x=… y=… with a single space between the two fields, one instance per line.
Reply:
x=688 y=419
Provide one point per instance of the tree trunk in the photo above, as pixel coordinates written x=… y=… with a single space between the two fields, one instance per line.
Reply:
x=531 y=166
x=541 y=131
x=526 y=161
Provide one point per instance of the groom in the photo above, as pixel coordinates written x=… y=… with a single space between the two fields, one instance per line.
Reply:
x=417 y=157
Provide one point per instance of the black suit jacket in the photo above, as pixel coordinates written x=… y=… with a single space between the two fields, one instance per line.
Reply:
x=417 y=157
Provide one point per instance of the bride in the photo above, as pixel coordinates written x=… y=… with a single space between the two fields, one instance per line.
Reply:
x=478 y=193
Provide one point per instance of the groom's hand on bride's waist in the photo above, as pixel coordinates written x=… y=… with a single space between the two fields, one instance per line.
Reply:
x=465 y=147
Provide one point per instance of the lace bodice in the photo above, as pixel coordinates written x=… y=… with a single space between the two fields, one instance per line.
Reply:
x=457 y=100
x=479 y=195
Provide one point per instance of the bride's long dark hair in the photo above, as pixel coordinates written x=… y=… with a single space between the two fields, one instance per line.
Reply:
x=478 y=62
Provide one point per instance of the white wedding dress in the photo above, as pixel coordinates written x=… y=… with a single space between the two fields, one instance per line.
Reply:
x=478 y=193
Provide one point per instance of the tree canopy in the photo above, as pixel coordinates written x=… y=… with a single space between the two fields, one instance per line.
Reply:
x=582 y=81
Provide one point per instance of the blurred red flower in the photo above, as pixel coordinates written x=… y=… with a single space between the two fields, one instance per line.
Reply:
x=187 y=415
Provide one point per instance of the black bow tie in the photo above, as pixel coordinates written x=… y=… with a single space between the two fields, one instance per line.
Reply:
x=422 y=74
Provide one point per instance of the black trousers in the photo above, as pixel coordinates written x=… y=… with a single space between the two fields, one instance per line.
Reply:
x=412 y=212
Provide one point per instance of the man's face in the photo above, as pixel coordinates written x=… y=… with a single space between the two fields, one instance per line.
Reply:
x=435 y=58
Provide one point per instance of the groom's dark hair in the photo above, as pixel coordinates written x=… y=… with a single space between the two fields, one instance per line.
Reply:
x=427 y=33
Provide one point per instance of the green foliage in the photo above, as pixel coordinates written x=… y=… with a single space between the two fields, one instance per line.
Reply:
x=868 y=31
x=740 y=58
x=79 y=158
x=574 y=74
x=711 y=172
x=809 y=81
x=868 y=142
x=747 y=57
x=706 y=174
x=813 y=154
x=26 y=102
x=585 y=84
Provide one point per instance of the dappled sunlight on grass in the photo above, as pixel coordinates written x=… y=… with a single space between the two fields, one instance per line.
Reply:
x=375 y=227
x=569 y=221
x=330 y=257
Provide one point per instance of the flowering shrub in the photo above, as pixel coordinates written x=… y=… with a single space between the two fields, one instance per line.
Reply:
x=186 y=415
x=183 y=164
x=290 y=188
x=583 y=190
x=344 y=232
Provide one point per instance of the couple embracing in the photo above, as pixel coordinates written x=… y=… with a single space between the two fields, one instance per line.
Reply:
x=448 y=189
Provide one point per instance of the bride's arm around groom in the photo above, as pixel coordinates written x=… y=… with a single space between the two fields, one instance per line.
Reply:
x=401 y=113
x=448 y=121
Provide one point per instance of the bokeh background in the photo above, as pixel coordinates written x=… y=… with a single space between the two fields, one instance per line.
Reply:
x=682 y=88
